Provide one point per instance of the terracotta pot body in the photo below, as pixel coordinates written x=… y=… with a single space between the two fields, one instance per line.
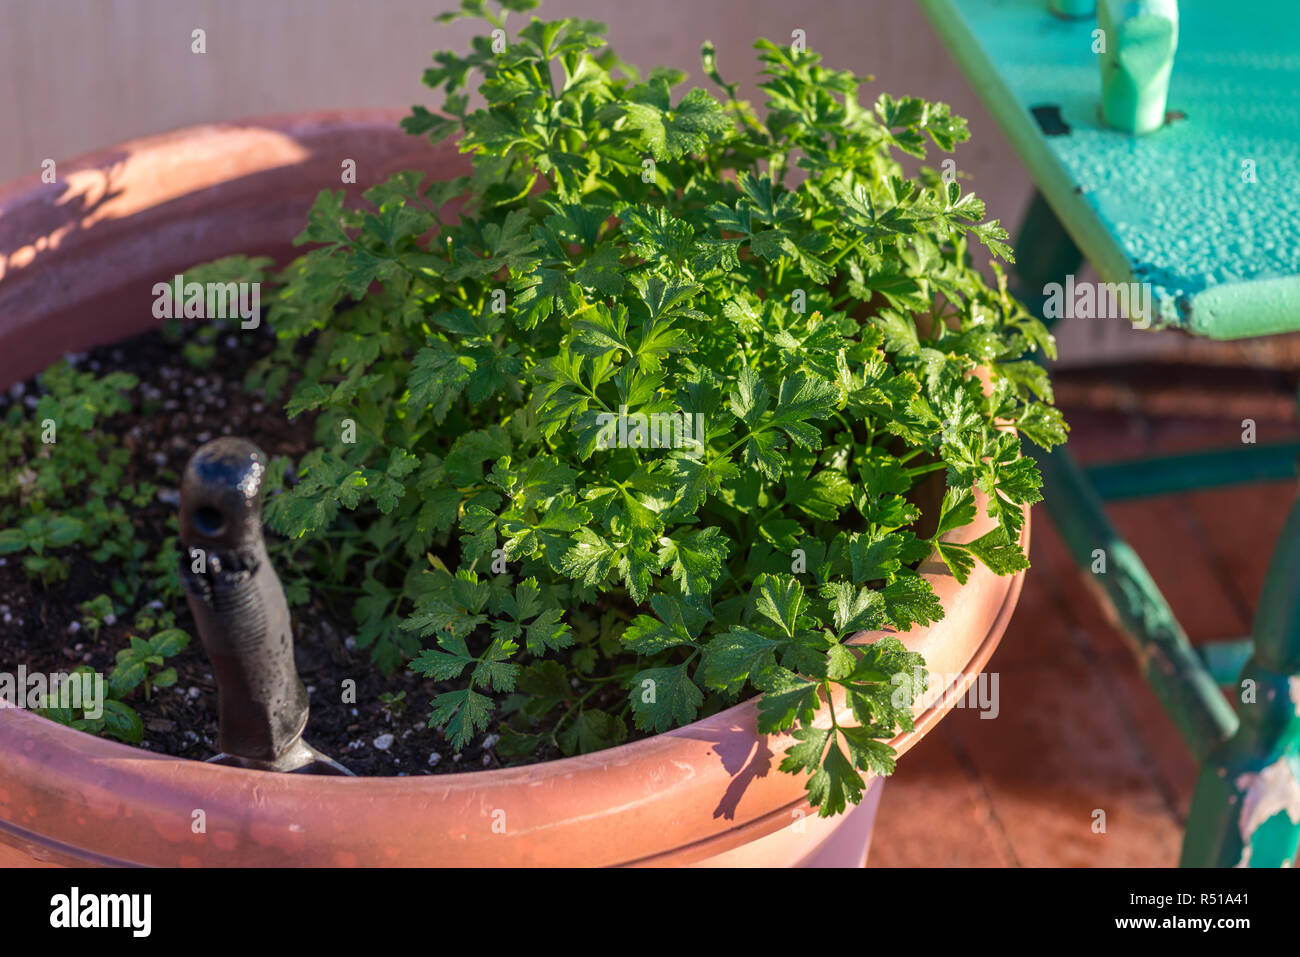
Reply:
x=78 y=260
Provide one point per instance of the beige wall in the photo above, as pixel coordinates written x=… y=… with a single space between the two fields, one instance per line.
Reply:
x=81 y=74
x=76 y=75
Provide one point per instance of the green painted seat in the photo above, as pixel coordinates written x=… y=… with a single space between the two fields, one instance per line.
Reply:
x=1206 y=209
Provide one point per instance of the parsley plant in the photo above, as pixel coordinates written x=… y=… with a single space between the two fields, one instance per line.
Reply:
x=642 y=405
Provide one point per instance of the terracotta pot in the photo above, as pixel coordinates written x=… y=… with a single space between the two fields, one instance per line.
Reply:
x=79 y=259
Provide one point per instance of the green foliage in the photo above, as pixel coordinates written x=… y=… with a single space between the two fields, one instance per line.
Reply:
x=143 y=663
x=63 y=479
x=114 y=719
x=96 y=613
x=134 y=662
x=63 y=489
x=393 y=705
x=623 y=249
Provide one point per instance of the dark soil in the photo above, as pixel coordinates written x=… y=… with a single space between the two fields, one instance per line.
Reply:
x=175 y=409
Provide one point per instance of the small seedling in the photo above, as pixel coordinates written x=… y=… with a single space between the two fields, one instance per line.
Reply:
x=96 y=613
x=134 y=663
x=393 y=705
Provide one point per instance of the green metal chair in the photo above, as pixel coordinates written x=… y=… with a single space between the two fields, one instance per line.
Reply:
x=1205 y=212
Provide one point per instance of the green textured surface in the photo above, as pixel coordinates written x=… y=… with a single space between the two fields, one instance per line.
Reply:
x=1073 y=8
x=1171 y=207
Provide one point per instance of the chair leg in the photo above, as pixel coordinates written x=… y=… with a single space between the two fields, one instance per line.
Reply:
x=1171 y=666
x=1246 y=807
x=1045 y=253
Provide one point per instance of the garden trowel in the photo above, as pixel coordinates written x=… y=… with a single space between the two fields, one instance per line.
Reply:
x=241 y=613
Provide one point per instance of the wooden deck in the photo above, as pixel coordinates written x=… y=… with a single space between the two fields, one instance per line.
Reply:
x=1077 y=728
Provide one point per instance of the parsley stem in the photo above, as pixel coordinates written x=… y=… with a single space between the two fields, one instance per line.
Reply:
x=847 y=249
x=592 y=392
x=578 y=702
x=769 y=513
x=922 y=469
x=528 y=188
x=737 y=444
